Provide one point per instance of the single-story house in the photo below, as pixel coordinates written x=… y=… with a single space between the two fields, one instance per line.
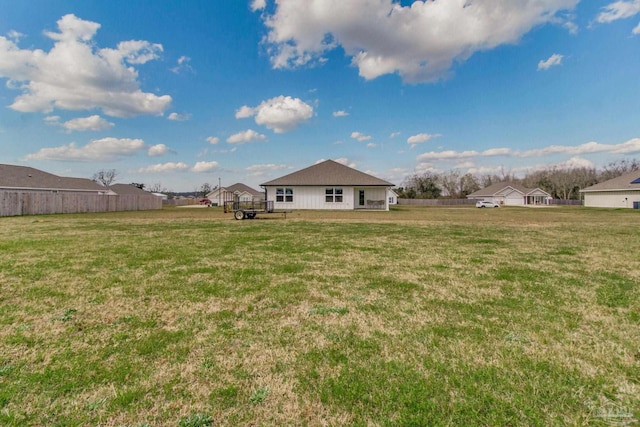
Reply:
x=161 y=195
x=25 y=178
x=236 y=192
x=393 y=197
x=620 y=192
x=328 y=185
x=511 y=194
x=28 y=191
x=129 y=190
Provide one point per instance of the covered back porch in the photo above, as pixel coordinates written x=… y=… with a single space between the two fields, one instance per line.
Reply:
x=370 y=198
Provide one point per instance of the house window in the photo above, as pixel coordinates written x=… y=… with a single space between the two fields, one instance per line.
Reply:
x=333 y=195
x=284 y=195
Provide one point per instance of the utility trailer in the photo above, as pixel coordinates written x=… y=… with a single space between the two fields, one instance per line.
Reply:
x=249 y=210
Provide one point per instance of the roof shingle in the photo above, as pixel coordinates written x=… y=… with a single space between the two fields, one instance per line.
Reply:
x=621 y=183
x=330 y=173
x=25 y=177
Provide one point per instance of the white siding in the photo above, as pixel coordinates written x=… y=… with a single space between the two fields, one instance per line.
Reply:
x=312 y=197
x=611 y=199
x=372 y=197
x=245 y=197
x=392 y=197
x=513 y=198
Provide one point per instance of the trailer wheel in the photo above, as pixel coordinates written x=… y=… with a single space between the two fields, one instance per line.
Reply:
x=238 y=215
x=251 y=215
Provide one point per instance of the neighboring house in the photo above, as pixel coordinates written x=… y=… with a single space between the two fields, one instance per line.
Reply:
x=393 y=197
x=28 y=191
x=129 y=190
x=511 y=194
x=620 y=192
x=236 y=192
x=24 y=178
x=328 y=185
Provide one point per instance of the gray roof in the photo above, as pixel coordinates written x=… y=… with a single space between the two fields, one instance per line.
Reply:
x=128 y=189
x=331 y=173
x=621 y=183
x=242 y=188
x=496 y=188
x=28 y=178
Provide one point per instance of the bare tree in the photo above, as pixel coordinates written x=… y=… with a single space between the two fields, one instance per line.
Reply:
x=620 y=167
x=423 y=186
x=205 y=189
x=105 y=177
x=157 y=188
x=468 y=184
x=450 y=183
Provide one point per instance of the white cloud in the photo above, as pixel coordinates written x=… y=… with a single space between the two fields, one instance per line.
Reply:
x=258 y=5
x=157 y=150
x=421 y=138
x=179 y=117
x=52 y=120
x=201 y=167
x=15 y=35
x=447 y=155
x=244 y=112
x=266 y=167
x=165 y=168
x=636 y=29
x=345 y=161
x=395 y=134
x=372 y=145
x=631 y=146
x=420 y=42
x=105 y=149
x=280 y=114
x=76 y=75
x=213 y=140
x=464 y=165
x=94 y=123
x=628 y=147
x=182 y=65
x=555 y=59
x=576 y=162
x=340 y=113
x=248 y=135
x=618 y=10
x=260 y=170
x=360 y=136
x=492 y=152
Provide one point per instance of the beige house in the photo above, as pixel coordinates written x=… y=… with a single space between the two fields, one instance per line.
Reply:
x=28 y=191
x=620 y=192
x=25 y=178
x=511 y=194
x=236 y=192
x=328 y=185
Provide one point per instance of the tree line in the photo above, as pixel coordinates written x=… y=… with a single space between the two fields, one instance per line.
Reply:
x=106 y=177
x=559 y=182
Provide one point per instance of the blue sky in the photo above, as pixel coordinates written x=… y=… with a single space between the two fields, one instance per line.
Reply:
x=183 y=93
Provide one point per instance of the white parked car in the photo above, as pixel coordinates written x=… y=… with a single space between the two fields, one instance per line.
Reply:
x=485 y=204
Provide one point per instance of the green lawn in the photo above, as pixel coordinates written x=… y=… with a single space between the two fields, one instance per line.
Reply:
x=417 y=316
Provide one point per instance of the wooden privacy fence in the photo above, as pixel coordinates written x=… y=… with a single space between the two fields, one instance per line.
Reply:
x=14 y=203
x=436 y=202
x=454 y=202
